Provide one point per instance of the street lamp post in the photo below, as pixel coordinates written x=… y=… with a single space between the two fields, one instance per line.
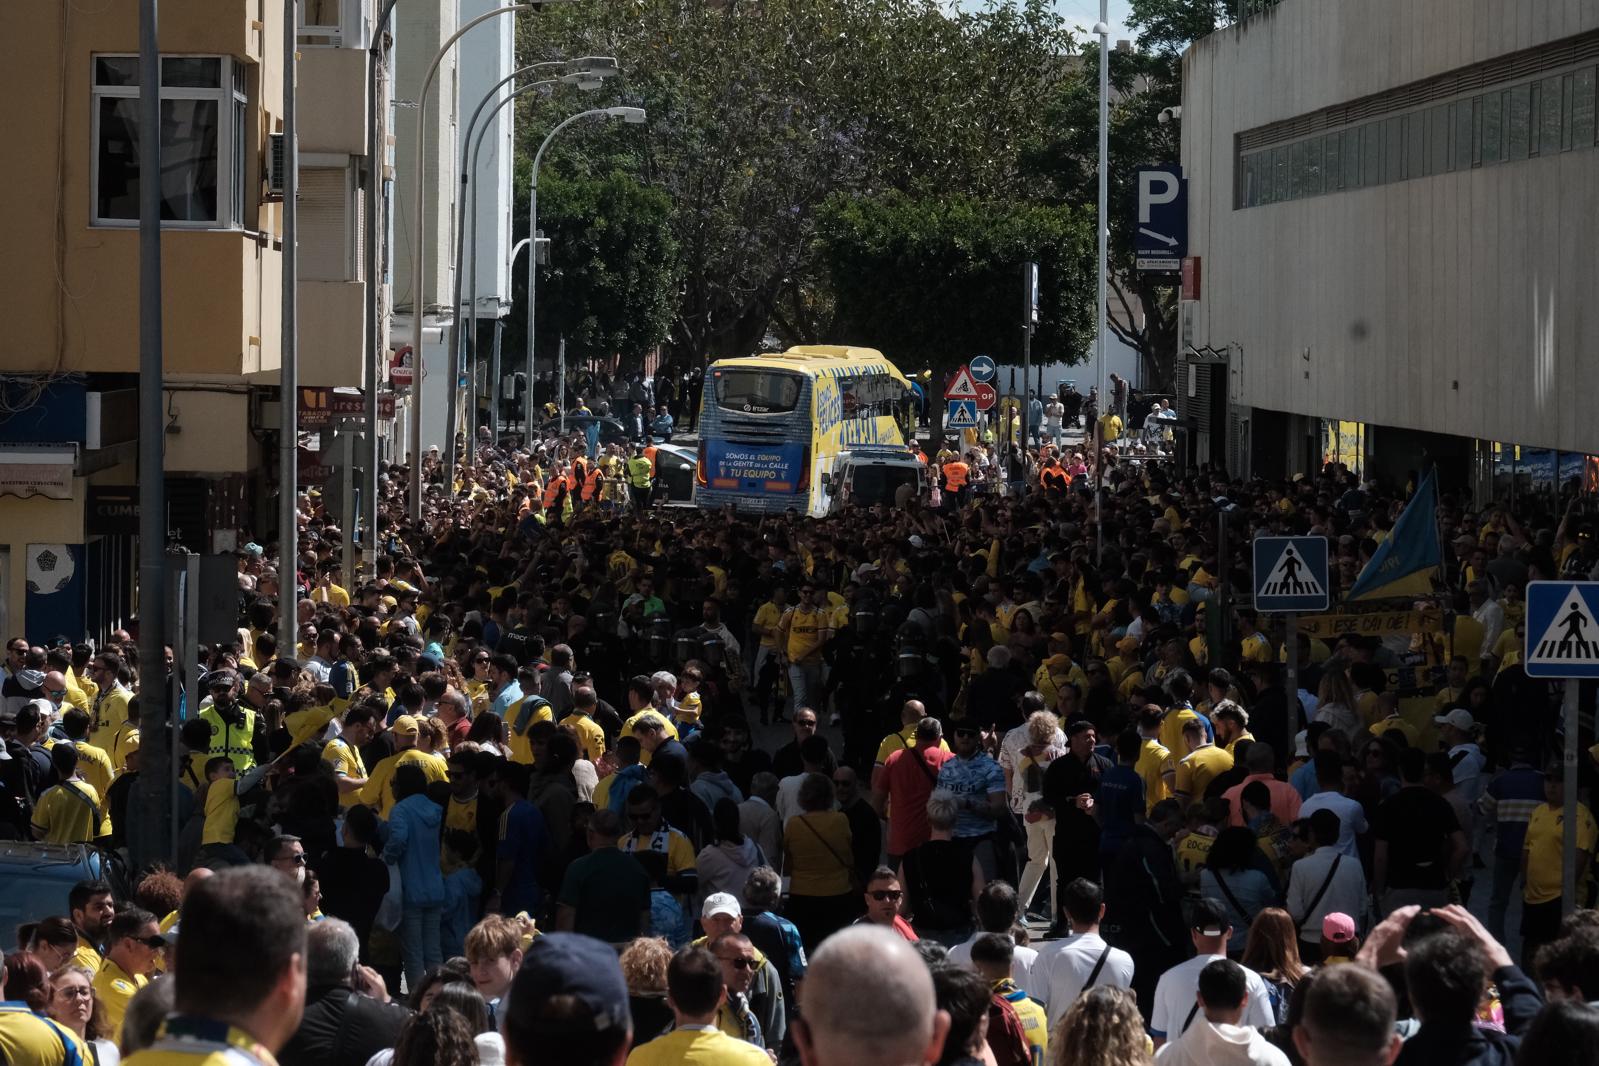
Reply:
x=374 y=343
x=288 y=371
x=631 y=115
x=419 y=252
x=589 y=74
x=497 y=391
x=1102 y=28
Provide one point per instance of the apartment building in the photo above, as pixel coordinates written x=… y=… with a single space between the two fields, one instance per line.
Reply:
x=69 y=285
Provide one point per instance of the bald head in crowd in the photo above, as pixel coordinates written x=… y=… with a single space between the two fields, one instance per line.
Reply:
x=866 y=964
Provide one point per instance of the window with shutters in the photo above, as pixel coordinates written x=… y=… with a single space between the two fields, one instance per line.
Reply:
x=329 y=224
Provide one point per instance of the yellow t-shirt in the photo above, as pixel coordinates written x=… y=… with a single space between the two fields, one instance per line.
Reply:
x=114 y=987
x=1199 y=768
x=87 y=957
x=521 y=747
x=1171 y=731
x=95 y=766
x=345 y=758
x=461 y=816
x=905 y=738
x=332 y=594
x=1034 y=1019
x=767 y=616
x=590 y=737
x=1256 y=648
x=62 y=817
x=1153 y=763
x=627 y=730
x=697 y=1047
x=221 y=812
x=26 y=1037
x=78 y=696
x=376 y=791
x=1245 y=735
x=124 y=742
x=110 y=711
x=806 y=631
x=669 y=842
x=815 y=844
x=1545 y=848
x=1193 y=853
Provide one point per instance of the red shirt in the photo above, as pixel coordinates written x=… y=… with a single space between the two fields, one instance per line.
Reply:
x=911 y=774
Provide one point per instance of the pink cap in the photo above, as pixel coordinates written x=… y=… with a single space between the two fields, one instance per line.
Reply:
x=1337 y=928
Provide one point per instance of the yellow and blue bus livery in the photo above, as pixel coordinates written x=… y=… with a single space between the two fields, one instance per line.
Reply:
x=772 y=425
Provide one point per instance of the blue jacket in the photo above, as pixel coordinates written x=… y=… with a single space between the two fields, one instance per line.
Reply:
x=626 y=778
x=413 y=845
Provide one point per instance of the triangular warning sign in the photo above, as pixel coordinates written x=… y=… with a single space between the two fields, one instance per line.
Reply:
x=1291 y=577
x=962 y=386
x=1571 y=638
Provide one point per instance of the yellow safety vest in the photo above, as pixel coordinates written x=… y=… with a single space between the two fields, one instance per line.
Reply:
x=234 y=741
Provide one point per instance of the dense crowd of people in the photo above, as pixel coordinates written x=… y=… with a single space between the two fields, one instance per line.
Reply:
x=1039 y=793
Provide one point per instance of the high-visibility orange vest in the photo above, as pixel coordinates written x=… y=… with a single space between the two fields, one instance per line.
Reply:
x=1053 y=477
x=649 y=453
x=955 y=474
x=550 y=490
x=591 y=484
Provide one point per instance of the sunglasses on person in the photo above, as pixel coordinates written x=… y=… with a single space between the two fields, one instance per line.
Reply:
x=887 y=895
x=298 y=860
x=154 y=943
x=964 y=732
x=738 y=962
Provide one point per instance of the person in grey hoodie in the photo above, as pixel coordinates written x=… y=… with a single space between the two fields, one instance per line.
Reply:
x=411 y=843
x=707 y=780
x=725 y=865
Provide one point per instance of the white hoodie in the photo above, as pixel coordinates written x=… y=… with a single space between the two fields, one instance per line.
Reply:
x=1207 y=1044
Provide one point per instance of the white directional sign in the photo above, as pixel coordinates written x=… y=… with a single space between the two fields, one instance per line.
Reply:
x=961 y=386
x=1291 y=573
x=962 y=415
x=1562 y=629
x=983 y=368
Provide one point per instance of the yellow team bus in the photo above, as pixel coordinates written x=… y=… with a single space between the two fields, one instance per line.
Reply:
x=809 y=429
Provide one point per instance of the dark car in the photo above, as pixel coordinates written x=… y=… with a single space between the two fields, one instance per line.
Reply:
x=611 y=430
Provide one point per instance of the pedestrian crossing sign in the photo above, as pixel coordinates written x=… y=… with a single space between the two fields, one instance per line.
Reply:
x=1562 y=629
x=1291 y=574
x=962 y=415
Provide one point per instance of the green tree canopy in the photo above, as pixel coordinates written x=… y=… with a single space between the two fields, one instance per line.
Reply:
x=935 y=281
x=609 y=288
x=762 y=112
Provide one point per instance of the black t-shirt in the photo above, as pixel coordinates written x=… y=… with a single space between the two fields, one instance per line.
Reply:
x=1416 y=823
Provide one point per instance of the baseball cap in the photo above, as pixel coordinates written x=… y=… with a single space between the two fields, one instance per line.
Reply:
x=1209 y=918
x=721 y=903
x=405 y=726
x=1337 y=928
x=1460 y=718
x=570 y=964
x=221 y=679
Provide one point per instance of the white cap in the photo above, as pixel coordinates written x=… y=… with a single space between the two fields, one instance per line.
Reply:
x=721 y=903
x=1460 y=718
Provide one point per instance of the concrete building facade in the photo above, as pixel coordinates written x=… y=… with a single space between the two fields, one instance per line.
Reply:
x=69 y=285
x=1392 y=204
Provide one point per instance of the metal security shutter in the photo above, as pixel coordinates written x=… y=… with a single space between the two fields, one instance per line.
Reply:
x=1238 y=441
x=326 y=229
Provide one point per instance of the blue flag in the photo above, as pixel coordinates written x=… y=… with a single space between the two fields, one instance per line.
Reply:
x=1403 y=565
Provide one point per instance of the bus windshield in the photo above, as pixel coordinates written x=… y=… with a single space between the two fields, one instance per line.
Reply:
x=758 y=391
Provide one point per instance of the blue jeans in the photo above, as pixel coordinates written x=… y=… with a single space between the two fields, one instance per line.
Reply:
x=420 y=944
x=1507 y=868
x=805 y=686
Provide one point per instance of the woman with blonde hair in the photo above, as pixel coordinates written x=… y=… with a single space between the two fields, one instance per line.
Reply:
x=644 y=963
x=1272 y=951
x=1335 y=704
x=1031 y=763
x=1103 y=1028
